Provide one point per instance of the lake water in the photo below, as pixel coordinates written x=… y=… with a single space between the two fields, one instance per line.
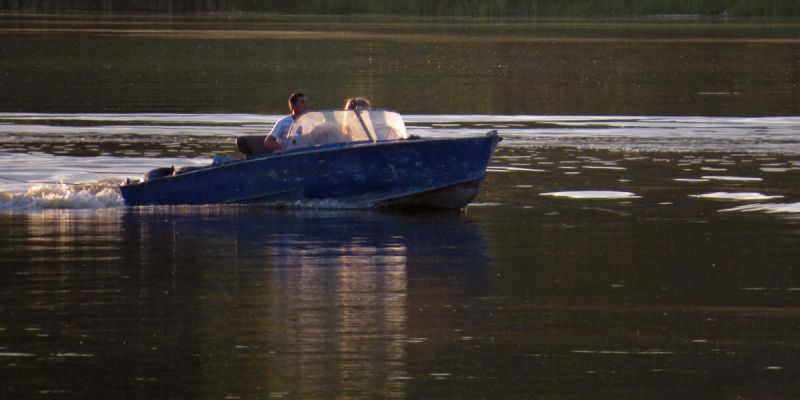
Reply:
x=637 y=234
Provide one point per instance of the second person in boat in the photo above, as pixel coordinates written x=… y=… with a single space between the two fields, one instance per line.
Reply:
x=362 y=103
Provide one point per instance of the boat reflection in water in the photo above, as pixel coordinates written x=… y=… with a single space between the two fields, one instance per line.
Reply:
x=312 y=303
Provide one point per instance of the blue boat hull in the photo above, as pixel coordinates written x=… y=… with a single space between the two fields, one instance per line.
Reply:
x=441 y=173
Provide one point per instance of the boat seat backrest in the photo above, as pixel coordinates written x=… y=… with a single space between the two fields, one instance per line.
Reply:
x=251 y=145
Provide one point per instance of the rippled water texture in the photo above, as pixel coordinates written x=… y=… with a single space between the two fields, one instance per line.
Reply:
x=632 y=255
x=602 y=256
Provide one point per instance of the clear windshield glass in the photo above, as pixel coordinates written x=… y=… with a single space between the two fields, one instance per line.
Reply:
x=321 y=128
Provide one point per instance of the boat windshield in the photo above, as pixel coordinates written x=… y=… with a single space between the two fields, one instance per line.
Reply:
x=321 y=128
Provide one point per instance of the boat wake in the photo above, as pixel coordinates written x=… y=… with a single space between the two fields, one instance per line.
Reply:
x=105 y=194
x=90 y=195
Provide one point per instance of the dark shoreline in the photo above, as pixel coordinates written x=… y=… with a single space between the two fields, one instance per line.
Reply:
x=426 y=8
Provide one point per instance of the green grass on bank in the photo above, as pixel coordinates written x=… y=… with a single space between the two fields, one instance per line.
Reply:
x=522 y=8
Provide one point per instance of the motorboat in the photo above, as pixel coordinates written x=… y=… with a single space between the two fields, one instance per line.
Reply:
x=358 y=158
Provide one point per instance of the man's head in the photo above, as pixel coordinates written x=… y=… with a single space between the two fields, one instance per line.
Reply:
x=298 y=103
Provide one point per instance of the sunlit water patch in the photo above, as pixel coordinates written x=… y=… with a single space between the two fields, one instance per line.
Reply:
x=628 y=133
x=733 y=178
x=604 y=167
x=592 y=194
x=736 y=196
x=506 y=169
x=774 y=169
x=486 y=204
x=770 y=208
x=691 y=180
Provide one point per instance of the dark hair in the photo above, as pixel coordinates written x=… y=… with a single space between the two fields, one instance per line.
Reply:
x=296 y=95
x=359 y=102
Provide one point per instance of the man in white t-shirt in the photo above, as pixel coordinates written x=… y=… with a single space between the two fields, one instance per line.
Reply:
x=298 y=105
x=258 y=144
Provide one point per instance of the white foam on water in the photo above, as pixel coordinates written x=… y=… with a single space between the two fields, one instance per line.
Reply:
x=592 y=194
x=769 y=208
x=102 y=194
x=732 y=178
x=737 y=196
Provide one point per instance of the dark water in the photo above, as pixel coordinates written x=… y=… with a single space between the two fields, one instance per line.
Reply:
x=605 y=257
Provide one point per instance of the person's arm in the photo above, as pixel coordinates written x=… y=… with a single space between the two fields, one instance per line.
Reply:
x=278 y=131
x=271 y=144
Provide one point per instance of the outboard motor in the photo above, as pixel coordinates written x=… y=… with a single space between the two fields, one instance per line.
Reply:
x=159 y=173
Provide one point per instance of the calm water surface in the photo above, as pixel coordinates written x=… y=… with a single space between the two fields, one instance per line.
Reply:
x=632 y=255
